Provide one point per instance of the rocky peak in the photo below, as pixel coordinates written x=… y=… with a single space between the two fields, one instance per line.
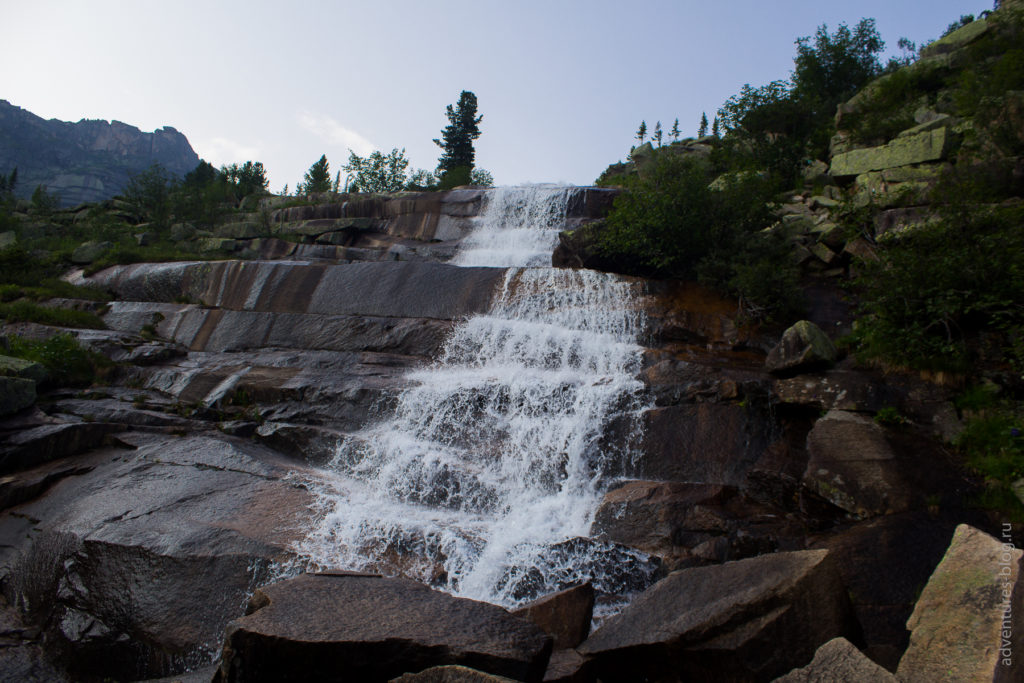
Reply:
x=87 y=161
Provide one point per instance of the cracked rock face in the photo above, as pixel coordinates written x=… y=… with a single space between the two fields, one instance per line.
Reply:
x=134 y=566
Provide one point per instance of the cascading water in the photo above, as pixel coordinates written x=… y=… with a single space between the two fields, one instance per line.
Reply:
x=487 y=476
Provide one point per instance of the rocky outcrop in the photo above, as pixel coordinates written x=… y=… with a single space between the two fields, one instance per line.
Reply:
x=753 y=619
x=87 y=161
x=803 y=347
x=924 y=147
x=313 y=623
x=964 y=627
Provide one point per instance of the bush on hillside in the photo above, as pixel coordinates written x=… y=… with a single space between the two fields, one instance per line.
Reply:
x=669 y=222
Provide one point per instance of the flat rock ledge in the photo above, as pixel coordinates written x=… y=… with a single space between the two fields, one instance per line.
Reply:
x=357 y=627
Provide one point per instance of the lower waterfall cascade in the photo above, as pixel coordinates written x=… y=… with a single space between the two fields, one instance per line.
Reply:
x=485 y=478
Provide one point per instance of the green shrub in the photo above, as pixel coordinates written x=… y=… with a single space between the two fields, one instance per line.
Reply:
x=936 y=290
x=67 y=362
x=993 y=446
x=26 y=311
x=669 y=222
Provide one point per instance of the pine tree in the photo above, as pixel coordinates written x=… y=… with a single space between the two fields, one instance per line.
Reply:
x=458 y=136
x=703 y=129
x=675 y=130
x=641 y=132
x=318 y=177
x=656 y=137
x=714 y=127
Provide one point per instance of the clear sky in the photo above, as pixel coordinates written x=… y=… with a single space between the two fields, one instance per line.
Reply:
x=562 y=85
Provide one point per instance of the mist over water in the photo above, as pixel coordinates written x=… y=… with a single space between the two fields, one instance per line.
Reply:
x=497 y=455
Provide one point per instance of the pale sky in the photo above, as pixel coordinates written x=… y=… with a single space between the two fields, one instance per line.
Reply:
x=562 y=85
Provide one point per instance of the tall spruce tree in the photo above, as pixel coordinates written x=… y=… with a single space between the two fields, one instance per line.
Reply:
x=675 y=132
x=703 y=129
x=458 y=136
x=318 y=177
x=657 y=135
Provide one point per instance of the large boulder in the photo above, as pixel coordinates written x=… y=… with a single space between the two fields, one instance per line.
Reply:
x=803 y=347
x=317 y=624
x=754 y=619
x=965 y=624
x=852 y=465
x=838 y=661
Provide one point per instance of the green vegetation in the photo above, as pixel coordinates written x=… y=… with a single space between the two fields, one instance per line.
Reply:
x=458 y=157
x=317 y=178
x=67 y=362
x=948 y=294
x=672 y=221
x=377 y=172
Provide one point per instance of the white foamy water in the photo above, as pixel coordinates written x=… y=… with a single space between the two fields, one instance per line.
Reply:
x=496 y=457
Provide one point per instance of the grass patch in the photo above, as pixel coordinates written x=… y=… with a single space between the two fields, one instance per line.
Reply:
x=23 y=311
x=67 y=362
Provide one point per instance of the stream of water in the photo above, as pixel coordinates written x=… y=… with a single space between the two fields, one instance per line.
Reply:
x=485 y=479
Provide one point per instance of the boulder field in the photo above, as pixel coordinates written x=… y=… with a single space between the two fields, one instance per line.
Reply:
x=149 y=524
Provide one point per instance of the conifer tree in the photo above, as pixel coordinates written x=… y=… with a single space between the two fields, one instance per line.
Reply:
x=703 y=129
x=714 y=127
x=318 y=177
x=656 y=137
x=458 y=136
x=675 y=130
x=641 y=132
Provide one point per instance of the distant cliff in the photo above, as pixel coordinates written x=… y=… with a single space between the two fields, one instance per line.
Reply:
x=86 y=161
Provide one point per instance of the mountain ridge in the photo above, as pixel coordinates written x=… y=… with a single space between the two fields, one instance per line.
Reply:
x=85 y=161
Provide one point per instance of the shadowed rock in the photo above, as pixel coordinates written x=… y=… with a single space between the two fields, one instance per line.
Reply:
x=838 y=661
x=318 y=624
x=803 y=347
x=748 y=620
x=451 y=673
x=564 y=615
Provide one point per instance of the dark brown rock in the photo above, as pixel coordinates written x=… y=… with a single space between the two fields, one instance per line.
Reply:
x=838 y=661
x=852 y=466
x=314 y=622
x=451 y=673
x=569 y=666
x=564 y=615
x=686 y=524
x=754 y=619
x=706 y=443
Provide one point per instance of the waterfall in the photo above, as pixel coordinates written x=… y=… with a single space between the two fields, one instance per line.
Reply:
x=487 y=476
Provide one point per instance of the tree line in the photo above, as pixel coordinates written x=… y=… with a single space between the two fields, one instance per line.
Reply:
x=388 y=172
